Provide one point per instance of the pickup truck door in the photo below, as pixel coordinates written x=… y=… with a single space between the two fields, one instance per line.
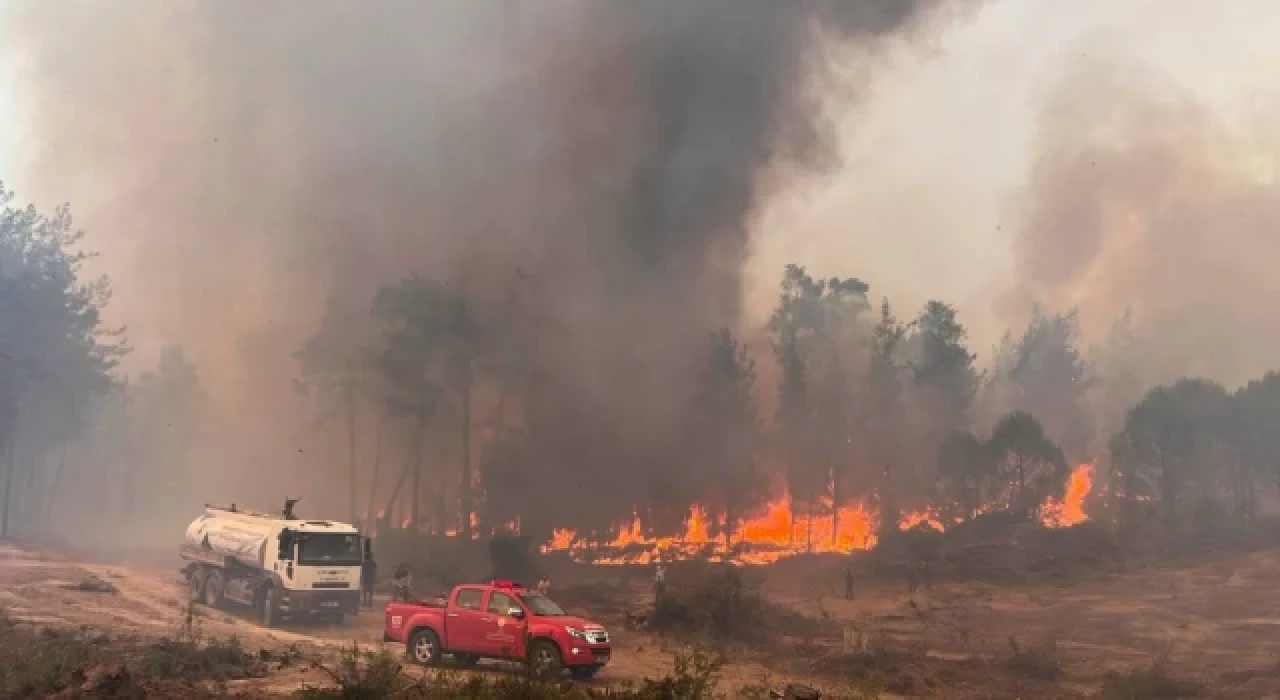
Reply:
x=504 y=636
x=464 y=624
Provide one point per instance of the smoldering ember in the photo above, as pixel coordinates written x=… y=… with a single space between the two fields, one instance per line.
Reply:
x=729 y=348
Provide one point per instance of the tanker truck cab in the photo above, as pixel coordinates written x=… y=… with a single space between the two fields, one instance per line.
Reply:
x=499 y=620
x=282 y=567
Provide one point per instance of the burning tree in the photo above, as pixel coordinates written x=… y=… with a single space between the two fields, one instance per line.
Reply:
x=1027 y=464
x=817 y=339
x=884 y=423
x=415 y=312
x=725 y=432
x=335 y=370
x=966 y=471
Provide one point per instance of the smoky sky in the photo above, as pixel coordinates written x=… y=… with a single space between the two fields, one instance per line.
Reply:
x=592 y=166
x=1142 y=197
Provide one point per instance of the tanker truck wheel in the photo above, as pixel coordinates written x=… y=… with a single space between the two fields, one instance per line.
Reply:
x=195 y=582
x=271 y=607
x=213 y=589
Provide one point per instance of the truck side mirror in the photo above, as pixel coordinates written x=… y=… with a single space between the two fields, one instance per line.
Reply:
x=286 y=545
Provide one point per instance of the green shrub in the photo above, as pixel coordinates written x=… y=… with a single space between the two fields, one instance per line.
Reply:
x=1042 y=662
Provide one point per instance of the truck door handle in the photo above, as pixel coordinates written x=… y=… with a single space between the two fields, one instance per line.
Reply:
x=453 y=614
x=486 y=619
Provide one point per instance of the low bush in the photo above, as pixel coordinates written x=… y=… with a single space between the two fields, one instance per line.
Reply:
x=719 y=603
x=1152 y=683
x=39 y=662
x=1041 y=662
x=365 y=676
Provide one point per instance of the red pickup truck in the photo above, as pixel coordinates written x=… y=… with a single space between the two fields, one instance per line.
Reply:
x=499 y=620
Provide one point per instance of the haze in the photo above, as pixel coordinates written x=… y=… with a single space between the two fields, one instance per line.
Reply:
x=234 y=167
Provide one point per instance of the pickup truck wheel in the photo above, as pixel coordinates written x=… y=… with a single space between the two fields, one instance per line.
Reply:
x=195 y=583
x=584 y=673
x=271 y=607
x=544 y=658
x=424 y=648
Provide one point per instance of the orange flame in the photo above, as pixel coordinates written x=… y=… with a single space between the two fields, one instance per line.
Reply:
x=1070 y=511
x=776 y=533
x=911 y=521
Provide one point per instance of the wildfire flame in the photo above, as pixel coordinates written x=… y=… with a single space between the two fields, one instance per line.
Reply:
x=1070 y=511
x=776 y=532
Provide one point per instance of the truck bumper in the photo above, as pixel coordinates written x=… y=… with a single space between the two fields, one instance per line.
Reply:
x=320 y=602
x=583 y=654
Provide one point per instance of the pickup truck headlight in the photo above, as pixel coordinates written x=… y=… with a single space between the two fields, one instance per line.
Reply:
x=576 y=633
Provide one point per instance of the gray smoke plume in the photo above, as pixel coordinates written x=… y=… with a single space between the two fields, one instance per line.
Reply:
x=597 y=162
x=1142 y=197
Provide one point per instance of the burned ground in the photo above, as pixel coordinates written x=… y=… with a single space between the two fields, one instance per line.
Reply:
x=1203 y=628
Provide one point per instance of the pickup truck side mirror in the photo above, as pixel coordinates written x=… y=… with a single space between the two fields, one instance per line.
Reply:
x=286 y=545
x=517 y=613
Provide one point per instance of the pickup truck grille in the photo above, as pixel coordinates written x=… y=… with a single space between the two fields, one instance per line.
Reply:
x=597 y=637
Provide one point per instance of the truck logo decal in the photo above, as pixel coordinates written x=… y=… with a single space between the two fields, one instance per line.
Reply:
x=502 y=622
x=396 y=620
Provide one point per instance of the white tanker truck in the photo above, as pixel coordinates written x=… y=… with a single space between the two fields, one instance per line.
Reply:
x=281 y=566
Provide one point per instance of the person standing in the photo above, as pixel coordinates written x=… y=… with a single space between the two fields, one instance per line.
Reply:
x=848 y=583
x=401 y=582
x=368 y=575
x=659 y=583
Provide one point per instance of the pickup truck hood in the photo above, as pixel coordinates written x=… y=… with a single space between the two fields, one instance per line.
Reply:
x=570 y=621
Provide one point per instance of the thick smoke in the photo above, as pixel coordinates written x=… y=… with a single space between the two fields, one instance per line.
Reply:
x=596 y=164
x=1141 y=197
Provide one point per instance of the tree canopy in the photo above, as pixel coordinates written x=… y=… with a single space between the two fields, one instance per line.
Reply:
x=55 y=353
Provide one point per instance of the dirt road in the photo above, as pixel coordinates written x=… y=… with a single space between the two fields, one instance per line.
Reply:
x=1217 y=622
x=151 y=603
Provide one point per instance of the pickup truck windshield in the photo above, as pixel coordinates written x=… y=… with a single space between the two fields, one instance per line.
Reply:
x=541 y=605
x=329 y=550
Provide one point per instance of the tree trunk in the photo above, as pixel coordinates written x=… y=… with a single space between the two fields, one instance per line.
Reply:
x=1020 y=493
x=441 y=490
x=8 y=487
x=1245 y=501
x=351 y=455
x=791 y=509
x=419 y=428
x=369 y=515
x=24 y=498
x=835 y=507
x=1130 y=502
x=395 y=491
x=728 y=531
x=465 y=500
x=1251 y=492
x=1168 y=493
x=889 y=514
x=54 y=486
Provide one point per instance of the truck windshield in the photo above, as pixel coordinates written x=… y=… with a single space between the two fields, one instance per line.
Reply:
x=541 y=605
x=329 y=550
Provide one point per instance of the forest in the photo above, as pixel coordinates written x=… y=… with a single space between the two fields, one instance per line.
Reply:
x=447 y=409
